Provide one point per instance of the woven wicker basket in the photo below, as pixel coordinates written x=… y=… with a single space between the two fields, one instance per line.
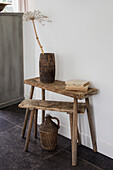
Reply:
x=48 y=133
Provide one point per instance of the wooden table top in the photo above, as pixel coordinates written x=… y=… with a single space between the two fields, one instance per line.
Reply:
x=59 y=87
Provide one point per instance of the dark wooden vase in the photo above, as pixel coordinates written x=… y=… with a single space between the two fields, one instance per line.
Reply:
x=47 y=67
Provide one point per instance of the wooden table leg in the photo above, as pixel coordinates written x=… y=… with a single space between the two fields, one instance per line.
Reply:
x=71 y=123
x=78 y=136
x=71 y=127
x=91 y=125
x=74 y=136
x=35 y=122
x=26 y=115
x=29 y=130
x=43 y=111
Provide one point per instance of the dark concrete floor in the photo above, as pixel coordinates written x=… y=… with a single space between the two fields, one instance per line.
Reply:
x=12 y=155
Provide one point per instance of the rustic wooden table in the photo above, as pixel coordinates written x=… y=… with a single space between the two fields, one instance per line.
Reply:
x=59 y=87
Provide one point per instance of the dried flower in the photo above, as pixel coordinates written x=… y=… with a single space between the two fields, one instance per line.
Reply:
x=36 y=15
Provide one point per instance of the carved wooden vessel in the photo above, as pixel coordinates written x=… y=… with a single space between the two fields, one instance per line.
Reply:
x=47 y=67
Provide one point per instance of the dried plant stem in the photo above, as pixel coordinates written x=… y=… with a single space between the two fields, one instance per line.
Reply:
x=37 y=36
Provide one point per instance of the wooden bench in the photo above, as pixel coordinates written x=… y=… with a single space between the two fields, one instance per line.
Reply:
x=35 y=105
x=59 y=88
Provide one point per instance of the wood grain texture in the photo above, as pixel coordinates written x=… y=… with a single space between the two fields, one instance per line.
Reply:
x=92 y=131
x=26 y=115
x=78 y=136
x=29 y=130
x=71 y=127
x=35 y=122
x=71 y=124
x=59 y=87
x=43 y=111
x=51 y=105
x=47 y=67
x=74 y=134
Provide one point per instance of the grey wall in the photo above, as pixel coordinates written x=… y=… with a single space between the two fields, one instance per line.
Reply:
x=11 y=59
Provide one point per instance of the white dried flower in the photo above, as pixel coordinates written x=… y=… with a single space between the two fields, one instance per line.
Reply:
x=36 y=15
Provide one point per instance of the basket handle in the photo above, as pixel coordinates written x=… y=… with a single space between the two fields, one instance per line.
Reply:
x=57 y=121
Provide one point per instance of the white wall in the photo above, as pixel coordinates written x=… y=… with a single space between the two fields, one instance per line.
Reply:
x=81 y=36
x=29 y=48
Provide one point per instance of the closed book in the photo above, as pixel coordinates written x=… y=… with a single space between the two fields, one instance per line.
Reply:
x=77 y=88
x=77 y=83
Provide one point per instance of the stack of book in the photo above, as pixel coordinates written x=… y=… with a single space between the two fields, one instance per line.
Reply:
x=78 y=85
